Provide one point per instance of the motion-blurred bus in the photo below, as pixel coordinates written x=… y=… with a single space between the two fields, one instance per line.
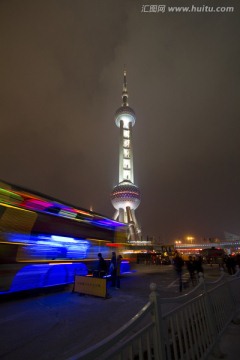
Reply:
x=44 y=242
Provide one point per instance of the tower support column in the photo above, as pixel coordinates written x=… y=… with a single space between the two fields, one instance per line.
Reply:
x=121 y=215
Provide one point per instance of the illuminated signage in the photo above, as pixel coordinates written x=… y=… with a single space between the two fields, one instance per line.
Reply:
x=90 y=286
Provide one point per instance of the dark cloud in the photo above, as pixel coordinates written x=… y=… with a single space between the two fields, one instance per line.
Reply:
x=60 y=84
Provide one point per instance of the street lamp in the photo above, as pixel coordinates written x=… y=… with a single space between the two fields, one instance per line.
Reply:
x=190 y=238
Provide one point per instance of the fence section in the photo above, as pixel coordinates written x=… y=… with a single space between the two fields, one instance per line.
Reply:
x=138 y=336
x=191 y=330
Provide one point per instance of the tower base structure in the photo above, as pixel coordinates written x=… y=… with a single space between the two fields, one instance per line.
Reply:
x=126 y=198
x=127 y=216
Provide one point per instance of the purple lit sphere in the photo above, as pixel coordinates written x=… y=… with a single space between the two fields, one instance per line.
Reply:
x=124 y=195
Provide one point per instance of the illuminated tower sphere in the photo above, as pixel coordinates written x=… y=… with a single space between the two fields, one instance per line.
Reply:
x=125 y=196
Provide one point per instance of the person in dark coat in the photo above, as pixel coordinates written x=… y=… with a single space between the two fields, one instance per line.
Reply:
x=231 y=265
x=198 y=264
x=190 y=263
x=178 y=266
x=102 y=266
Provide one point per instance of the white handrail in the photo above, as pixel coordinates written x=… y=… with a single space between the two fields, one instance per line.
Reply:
x=189 y=331
x=104 y=345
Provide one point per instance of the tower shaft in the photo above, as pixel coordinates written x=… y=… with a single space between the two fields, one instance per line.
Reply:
x=125 y=153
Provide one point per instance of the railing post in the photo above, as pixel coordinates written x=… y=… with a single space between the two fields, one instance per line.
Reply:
x=216 y=351
x=159 y=347
x=228 y=286
x=236 y=318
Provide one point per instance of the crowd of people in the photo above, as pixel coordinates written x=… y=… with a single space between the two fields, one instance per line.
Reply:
x=194 y=265
x=230 y=262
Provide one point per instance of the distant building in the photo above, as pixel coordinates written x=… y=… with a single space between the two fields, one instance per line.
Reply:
x=231 y=237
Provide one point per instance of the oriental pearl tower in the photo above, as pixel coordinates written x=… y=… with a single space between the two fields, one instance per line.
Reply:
x=125 y=196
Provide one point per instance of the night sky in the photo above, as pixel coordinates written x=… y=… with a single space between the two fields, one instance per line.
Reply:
x=61 y=73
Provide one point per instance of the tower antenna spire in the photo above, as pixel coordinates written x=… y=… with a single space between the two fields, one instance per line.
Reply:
x=125 y=92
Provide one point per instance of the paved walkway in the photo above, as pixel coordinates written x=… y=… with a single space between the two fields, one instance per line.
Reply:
x=230 y=343
x=58 y=325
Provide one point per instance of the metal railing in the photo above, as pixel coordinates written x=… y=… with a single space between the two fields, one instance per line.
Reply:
x=191 y=330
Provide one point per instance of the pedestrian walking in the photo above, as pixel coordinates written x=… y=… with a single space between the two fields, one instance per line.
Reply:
x=199 y=265
x=231 y=265
x=178 y=265
x=190 y=263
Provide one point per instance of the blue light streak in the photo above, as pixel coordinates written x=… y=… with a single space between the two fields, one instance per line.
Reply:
x=47 y=247
x=37 y=276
